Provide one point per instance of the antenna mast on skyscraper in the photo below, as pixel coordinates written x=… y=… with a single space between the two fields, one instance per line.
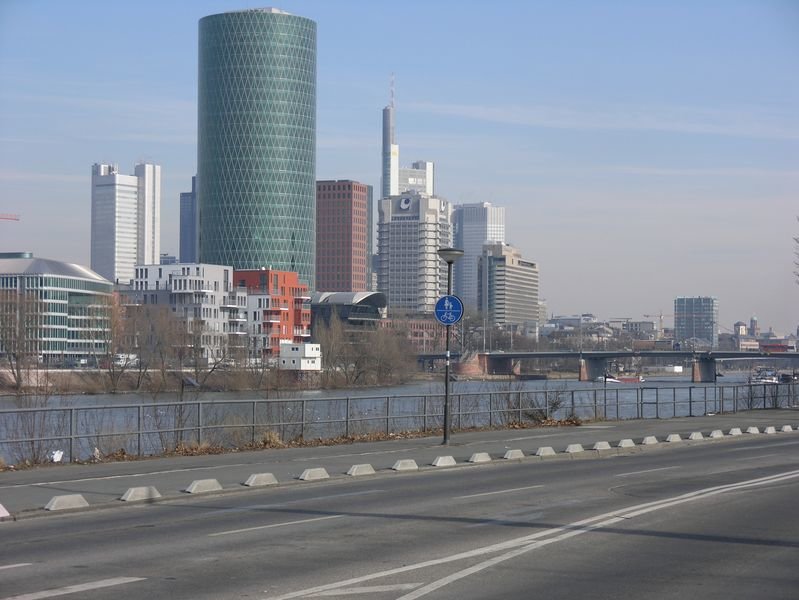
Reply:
x=391 y=89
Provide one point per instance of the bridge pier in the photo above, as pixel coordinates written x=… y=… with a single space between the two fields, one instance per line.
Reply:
x=592 y=368
x=703 y=370
x=500 y=365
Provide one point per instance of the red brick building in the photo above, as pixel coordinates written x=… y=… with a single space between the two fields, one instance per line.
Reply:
x=278 y=308
x=342 y=236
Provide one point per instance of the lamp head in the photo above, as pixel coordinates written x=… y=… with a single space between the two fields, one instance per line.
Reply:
x=450 y=255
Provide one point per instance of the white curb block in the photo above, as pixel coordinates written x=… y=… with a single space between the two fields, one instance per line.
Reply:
x=66 y=501
x=362 y=469
x=770 y=430
x=480 y=457
x=574 y=449
x=601 y=446
x=513 y=454
x=786 y=429
x=260 y=479
x=673 y=437
x=444 y=461
x=314 y=474
x=626 y=443
x=735 y=431
x=405 y=464
x=717 y=433
x=3 y=512
x=147 y=492
x=752 y=430
x=696 y=435
x=200 y=486
x=649 y=440
x=545 y=451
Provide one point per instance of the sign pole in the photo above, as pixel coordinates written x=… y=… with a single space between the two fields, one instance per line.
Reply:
x=447 y=411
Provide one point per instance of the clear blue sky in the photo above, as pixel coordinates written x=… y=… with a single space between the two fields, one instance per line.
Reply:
x=642 y=149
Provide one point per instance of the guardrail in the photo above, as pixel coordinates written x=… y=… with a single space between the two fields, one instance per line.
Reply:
x=143 y=429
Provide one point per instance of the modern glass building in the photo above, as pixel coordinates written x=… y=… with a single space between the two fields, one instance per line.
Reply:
x=474 y=225
x=256 y=151
x=696 y=321
x=56 y=311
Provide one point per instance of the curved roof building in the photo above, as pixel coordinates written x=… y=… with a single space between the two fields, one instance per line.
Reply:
x=256 y=150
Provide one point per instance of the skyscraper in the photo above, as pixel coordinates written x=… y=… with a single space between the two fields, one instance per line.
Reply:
x=342 y=236
x=411 y=229
x=474 y=226
x=188 y=224
x=126 y=220
x=508 y=291
x=419 y=177
x=390 y=173
x=256 y=151
x=696 y=320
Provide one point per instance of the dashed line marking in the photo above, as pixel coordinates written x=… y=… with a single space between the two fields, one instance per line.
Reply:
x=246 y=529
x=529 y=487
x=645 y=471
x=74 y=589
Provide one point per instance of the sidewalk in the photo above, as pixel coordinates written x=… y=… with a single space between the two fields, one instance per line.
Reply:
x=26 y=492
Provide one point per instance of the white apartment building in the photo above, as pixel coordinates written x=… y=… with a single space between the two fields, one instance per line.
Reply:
x=509 y=289
x=474 y=225
x=420 y=177
x=203 y=296
x=126 y=220
x=411 y=229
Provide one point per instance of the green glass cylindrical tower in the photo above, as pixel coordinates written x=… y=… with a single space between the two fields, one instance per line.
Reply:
x=256 y=146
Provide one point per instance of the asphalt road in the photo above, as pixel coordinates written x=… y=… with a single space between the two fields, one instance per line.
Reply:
x=715 y=519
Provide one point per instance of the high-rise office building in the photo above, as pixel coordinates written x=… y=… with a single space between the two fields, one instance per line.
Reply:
x=256 y=151
x=696 y=320
x=126 y=219
x=188 y=224
x=419 y=177
x=342 y=236
x=508 y=293
x=389 y=183
x=411 y=229
x=474 y=226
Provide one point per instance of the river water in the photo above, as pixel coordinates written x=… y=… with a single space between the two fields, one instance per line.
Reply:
x=145 y=424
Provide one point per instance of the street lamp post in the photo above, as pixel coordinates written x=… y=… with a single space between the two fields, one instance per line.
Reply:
x=449 y=256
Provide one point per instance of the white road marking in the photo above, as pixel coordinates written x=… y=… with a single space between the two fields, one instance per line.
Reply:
x=646 y=471
x=761 y=446
x=368 y=589
x=529 y=487
x=530 y=542
x=15 y=566
x=74 y=589
x=597 y=426
x=232 y=531
x=759 y=456
x=131 y=475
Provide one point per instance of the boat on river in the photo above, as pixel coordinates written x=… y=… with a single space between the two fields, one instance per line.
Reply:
x=764 y=375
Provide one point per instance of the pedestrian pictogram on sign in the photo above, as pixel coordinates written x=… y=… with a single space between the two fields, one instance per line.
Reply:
x=449 y=310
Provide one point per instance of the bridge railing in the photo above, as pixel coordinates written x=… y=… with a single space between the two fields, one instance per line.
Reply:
x=146 y=429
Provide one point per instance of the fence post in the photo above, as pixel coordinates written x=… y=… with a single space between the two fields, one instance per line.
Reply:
x=618 y=418
x=199 y=423
x=572 y=404
x=388 y=415
x=138 y=433
x=546 y=406
x=594 y=404
x=520 y=408
x=657 y=403
x=490 y=409
x=302 y=422
x=72 y=425
x=705 y=399
x=691 y=401
x=254 y=417
x=347 y=419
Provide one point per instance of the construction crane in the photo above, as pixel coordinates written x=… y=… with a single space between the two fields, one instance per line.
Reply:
x=659 y=317
x=8 y=217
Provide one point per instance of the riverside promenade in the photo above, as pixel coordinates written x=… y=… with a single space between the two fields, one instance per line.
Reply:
x=25 y=493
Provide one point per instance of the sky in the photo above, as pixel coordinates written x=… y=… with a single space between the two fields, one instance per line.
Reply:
x=642 y=150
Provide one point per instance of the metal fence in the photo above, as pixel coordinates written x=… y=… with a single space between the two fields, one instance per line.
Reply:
x=32 y=433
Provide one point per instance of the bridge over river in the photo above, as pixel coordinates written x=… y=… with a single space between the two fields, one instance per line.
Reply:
x=594 y=364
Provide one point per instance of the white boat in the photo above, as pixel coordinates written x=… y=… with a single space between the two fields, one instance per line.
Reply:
x=764 y=376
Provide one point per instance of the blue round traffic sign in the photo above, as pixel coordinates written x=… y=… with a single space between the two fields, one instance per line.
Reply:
x=449 y=310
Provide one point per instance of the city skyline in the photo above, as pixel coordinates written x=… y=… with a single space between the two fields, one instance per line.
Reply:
x=642 y=151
